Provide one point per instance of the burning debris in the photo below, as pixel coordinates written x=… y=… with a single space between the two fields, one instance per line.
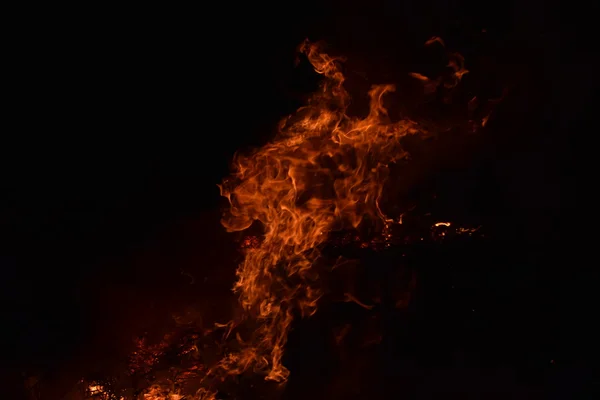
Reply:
x=316 y=189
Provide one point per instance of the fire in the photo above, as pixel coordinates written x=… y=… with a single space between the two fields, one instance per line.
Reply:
x=324 y=172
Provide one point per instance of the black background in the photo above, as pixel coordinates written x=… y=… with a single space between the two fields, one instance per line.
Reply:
x=123 y=121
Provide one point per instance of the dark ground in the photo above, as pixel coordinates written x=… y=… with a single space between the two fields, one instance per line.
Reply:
x=124 y=121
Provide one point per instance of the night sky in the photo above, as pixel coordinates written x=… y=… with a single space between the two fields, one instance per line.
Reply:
x=124 y=121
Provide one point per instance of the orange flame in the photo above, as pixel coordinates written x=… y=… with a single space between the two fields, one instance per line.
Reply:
x=325 y=171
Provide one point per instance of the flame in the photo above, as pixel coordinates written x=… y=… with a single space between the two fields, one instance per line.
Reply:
x=325 y=171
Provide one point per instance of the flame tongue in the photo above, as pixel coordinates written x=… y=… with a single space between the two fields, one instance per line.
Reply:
x=325 y=171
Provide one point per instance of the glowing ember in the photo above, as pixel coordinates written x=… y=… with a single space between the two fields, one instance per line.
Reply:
x=324 y=172
x=96 y=391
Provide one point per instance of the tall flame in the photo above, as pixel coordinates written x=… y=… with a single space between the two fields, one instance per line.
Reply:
x=324 y=171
